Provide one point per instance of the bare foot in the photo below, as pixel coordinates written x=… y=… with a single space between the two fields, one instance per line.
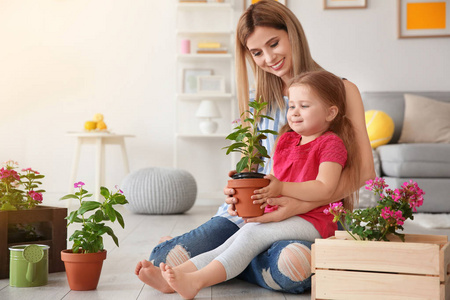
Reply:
x=164 y=238
x=183 y=283
x=151 y=275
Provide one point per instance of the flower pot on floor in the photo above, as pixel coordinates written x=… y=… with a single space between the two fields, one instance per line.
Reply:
x=348 y=269
x=83 y=269
x=244 y=188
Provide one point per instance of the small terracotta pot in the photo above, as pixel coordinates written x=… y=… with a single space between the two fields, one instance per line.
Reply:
x=83 y=269
x=244 y=189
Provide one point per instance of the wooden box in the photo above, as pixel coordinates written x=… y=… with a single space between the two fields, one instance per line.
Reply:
x=52 y=226
x=347 y=269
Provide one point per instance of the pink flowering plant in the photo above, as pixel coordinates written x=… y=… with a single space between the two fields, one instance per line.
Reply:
x=91 y=215
x=19 y=190
x=393 y=208
x=247 y=138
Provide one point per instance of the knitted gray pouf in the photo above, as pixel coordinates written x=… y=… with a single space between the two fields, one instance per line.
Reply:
x=159 y=191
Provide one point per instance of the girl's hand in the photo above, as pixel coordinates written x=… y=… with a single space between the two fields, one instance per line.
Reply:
x=270 y=191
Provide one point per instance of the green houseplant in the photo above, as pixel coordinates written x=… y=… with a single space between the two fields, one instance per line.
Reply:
x=247 y=139
x=88 y=248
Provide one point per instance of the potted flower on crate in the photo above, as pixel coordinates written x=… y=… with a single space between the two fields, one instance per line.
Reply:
x=84 y=261
x=247 y=141
x=26 y=220
x=372 y=258
x=376 y=223
x=14 y=198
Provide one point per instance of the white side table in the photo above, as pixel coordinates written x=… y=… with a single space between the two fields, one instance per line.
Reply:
x=99 y=139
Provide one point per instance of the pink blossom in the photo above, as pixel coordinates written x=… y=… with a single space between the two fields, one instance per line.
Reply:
x=35 y=196
x=30 y=170
x=395 y=217
x=78 y=184
x=335 y=208
x=237 y=121
x=117 y=188
x=9 y=175
x=376 y=185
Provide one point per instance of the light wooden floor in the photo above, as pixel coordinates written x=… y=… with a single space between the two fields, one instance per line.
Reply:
x=118 y=281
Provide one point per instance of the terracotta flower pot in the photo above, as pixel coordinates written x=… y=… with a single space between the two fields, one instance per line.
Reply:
x=83 y=269
x=244 y=189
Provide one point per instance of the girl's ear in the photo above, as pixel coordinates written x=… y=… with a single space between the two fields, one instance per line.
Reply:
x=332 y=113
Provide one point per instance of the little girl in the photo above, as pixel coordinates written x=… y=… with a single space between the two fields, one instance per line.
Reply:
x=311 y=152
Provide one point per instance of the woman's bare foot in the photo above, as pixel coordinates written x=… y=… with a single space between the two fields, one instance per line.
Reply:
x=164 y=238
x=183 y=283
x=151 y=275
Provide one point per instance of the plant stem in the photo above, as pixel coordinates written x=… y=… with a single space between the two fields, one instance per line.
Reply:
x=347 y=229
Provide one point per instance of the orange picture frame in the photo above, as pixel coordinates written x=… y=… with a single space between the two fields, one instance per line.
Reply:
x=423 y=18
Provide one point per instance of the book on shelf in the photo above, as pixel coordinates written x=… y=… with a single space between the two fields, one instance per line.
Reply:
x=211 y=50
x=209 y=45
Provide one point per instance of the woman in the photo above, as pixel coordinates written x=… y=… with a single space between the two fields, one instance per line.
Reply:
x=271 y=39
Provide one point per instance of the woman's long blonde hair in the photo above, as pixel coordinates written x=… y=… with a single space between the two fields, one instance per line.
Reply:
x=330 y=90
x=269 y=13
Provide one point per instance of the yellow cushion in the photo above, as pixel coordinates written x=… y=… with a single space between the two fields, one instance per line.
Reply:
x=380 y=127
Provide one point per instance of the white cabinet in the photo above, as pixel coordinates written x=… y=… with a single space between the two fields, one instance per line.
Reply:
x=205 y=76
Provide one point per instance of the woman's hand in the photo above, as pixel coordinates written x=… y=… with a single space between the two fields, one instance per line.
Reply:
x=287 y=207
x=230 y=199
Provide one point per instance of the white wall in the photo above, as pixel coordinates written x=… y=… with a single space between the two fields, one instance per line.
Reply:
x=362 y=45
x=63 y=61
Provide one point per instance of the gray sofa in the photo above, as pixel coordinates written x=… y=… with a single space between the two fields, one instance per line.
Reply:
x=426 y=163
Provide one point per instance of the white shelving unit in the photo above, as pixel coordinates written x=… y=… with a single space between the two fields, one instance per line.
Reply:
x=202 y=154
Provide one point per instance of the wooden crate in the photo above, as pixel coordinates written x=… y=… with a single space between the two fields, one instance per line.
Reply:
x=347 y=269
x=51 y=224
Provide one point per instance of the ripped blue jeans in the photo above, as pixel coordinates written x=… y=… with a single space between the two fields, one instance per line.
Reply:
x=284 y=267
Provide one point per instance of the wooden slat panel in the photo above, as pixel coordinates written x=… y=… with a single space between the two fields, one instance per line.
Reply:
x=412 y=258
x=410 y=238
x=377 y=286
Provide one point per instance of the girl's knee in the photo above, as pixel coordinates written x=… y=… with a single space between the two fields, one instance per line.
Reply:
x=294 y=262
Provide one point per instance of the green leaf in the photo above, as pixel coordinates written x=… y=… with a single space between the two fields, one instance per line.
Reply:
x=120 y=219
x=71 y=217
x=120 y=199
x=70 y=196
x=235 y=146
x=98 y=216
x=242 y=164
x=104 y=192
x=109 y=210
x=262 y=150
x=268 y=131
x=88 y=206
x=266 y=117
x=110 y=232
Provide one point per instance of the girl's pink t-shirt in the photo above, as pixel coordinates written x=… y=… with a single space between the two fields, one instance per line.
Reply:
x=298 y=163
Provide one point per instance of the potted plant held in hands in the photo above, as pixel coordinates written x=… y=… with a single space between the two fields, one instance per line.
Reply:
x=247 y=141
x=84 y=261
